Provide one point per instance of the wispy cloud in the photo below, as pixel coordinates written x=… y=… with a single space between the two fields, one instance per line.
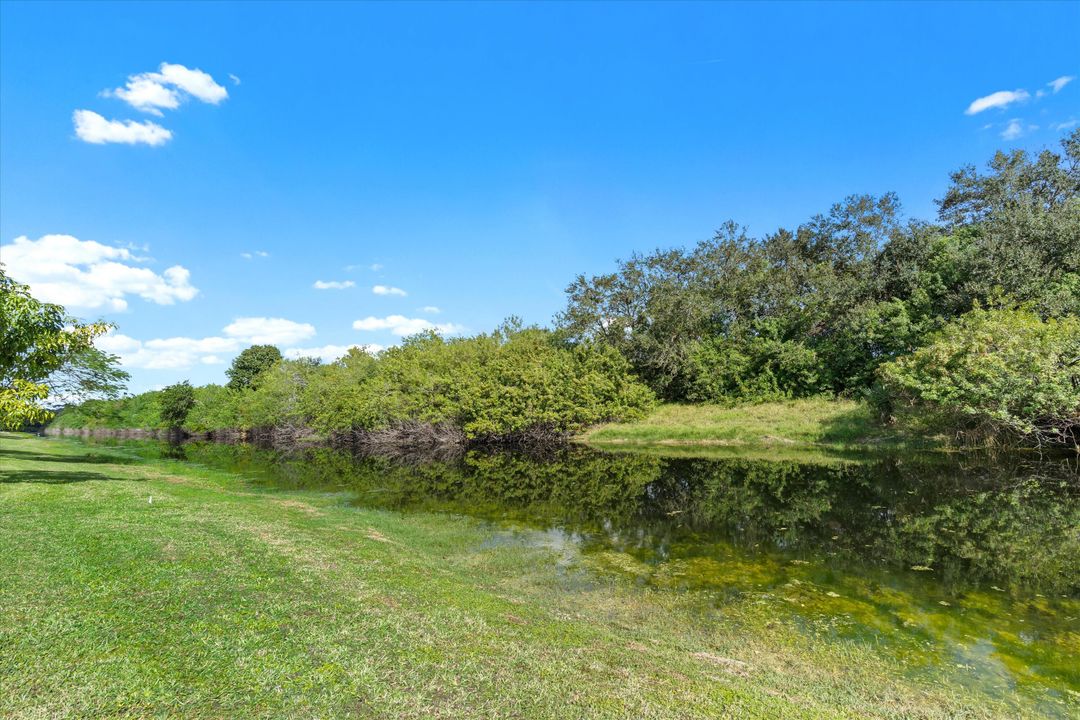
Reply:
x=388 y=290
x=78 y=273
x=1015 y=128
x=401 y=325
x=93 y=128
x=333 y=284
x=1068 y=124
x=430 y=310
x=1061 y=82
x=255 y=254
x=1000 y=99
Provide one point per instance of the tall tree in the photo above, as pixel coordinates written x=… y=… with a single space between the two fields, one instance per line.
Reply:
x=250 y=364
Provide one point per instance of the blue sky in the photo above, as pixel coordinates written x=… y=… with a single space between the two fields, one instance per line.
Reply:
x=475 y=157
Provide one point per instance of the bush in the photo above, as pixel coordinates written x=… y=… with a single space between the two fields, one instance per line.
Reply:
x=510 y=384
x=497 y=385
x=993 y=375
x=216 y=407
x=141 y=411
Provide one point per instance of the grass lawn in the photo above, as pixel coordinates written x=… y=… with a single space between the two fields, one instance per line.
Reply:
x=133 y=588
x=806 y=422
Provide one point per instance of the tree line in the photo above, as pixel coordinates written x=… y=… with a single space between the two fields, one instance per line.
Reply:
x=969 y=321
x=513 y=384
x=967 y=324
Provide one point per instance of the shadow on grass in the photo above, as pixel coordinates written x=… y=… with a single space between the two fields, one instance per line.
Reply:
x=861 y=426
x=87 y=459
x=50 y=477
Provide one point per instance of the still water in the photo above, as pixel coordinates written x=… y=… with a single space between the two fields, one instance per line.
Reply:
x=943 y=561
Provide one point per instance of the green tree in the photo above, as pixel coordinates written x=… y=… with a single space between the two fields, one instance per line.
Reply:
x=176 y=402
x=250 y=364
x=1021 y=224
x=88 y=373
x=38 y=341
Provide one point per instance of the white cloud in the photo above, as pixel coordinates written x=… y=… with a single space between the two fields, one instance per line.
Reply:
x=330 y=353
x=333 y=284
x=194 y=82
x=269 y=331
x=147 y=95
x=183 y=352
x=1000 y=99
x=401 y=325
x=167 y=88
x=166 y=353
x=388 y=290
x=431 y=309
x=1061 y=82
x=253 y=255
x=85 y=274
x=93 y=128
x=1066 y=125
x=235 y=79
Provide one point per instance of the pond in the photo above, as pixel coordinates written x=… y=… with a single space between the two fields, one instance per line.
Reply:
x=943 y=561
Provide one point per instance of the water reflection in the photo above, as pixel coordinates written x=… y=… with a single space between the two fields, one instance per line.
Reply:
x=946 y=561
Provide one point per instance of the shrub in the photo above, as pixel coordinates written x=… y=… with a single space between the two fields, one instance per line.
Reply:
x=216 y=407
x=513 y=383
x=993 y=375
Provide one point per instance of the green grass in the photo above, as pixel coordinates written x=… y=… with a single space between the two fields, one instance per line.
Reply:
x=133 y=588
x=793 y=423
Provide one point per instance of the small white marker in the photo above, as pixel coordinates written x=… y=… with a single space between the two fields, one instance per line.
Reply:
x=151 y=500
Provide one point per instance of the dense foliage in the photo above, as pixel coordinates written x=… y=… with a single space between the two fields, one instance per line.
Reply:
x=994 y=373
x=176 y=402
x=250 y=364
x=502 y=385
x=46 y=356
x=821 y=308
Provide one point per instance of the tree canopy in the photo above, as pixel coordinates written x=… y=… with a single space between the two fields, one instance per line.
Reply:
x=821 y=308
x=47 y=357
x=250 y=364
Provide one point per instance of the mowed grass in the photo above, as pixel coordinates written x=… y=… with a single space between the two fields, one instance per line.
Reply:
x=134 y=588
x=804 y=422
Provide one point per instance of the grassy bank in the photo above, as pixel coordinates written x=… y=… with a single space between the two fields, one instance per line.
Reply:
x=135 y=588
x=793 y=423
